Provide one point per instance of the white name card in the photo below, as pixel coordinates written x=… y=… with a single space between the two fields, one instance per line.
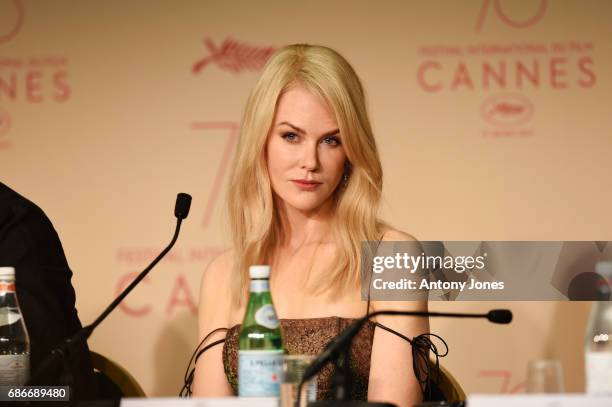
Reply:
x=201 y=402
x=539 y=400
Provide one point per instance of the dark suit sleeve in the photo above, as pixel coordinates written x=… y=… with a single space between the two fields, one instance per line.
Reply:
x=46 y=297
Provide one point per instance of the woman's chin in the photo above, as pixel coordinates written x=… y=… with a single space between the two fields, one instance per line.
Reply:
x=306 y=206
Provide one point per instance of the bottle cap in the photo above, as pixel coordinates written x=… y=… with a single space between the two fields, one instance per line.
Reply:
x=604 y=268
x=7 y=272
x=259 y=271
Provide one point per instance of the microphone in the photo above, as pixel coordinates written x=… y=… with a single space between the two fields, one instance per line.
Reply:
x=181 y=210
x=500 y=316
x=335 y=346
x=343 y=341
x=183 y=203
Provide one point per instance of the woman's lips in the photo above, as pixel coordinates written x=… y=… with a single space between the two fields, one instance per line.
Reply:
x=306 y=185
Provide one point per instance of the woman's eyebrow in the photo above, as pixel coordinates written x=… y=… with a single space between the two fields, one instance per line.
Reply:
x=296 y=128
x=331 y=133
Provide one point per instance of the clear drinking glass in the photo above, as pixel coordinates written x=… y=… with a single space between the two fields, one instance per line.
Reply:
x=545 y=376
x=293 y=368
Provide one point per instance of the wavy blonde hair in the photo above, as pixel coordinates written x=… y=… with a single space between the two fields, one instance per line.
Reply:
x=254 y=219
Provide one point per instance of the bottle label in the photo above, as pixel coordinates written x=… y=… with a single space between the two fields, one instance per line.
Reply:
x=14 y=370
x=259 y=373
x=260 y=286
x=8 y=316
x=599 y=373
x=7 y=287
x=266 y=317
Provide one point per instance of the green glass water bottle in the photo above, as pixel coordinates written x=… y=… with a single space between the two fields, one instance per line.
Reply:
x=260 y=345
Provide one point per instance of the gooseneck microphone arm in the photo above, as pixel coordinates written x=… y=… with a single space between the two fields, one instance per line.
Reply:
x=342 y=342
x=181 y=210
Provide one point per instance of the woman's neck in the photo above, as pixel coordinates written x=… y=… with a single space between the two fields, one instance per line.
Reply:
x=300 y=228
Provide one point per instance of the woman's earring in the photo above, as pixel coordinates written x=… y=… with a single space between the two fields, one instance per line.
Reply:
x=345 y=178
x=347 y=173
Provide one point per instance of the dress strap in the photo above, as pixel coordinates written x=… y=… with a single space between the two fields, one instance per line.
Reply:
x=424 y=370
x=189 y=374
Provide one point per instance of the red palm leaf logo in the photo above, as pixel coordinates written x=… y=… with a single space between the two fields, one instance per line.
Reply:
x=234 y=56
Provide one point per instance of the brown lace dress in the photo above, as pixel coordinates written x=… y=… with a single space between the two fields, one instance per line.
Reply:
x=309 y=337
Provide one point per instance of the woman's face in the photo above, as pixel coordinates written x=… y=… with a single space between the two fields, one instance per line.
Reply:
x=305 y=155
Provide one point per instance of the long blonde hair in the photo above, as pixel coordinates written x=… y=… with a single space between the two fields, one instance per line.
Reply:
x=254 y=221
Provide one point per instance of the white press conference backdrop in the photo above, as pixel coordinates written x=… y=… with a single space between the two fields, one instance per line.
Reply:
x=492 y=118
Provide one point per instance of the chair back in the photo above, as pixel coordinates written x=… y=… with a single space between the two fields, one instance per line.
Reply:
x=444 y=387
x=114 y=381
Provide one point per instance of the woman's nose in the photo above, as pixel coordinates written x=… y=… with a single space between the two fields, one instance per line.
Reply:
x=309 y=159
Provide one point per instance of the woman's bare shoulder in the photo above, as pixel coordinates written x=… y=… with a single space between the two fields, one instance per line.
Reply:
x=217 y=276
x=394 y=235
x=221 y=265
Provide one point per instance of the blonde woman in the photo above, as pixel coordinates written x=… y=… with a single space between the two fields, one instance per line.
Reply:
x=304 y=193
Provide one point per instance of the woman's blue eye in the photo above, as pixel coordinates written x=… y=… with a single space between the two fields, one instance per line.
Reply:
x=332 y=141
x=289 y=136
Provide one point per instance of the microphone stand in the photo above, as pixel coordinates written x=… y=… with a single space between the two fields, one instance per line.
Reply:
x=64 y=353
x=339 y=348
x=341 y=380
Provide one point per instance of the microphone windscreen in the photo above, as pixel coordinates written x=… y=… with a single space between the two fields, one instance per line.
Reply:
x=183 y=203
x=588 y=286
x=500 y=316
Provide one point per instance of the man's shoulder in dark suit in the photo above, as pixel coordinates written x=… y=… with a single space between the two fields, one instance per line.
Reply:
x=30 y=244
